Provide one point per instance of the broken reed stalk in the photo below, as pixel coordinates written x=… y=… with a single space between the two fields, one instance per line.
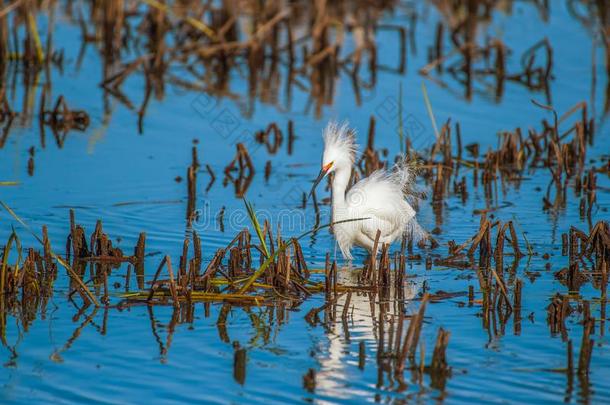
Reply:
x=517 y=306
x=74 y=276
x=191 y=176
x=139 y=253
x=439 y=357
x=586 y=346
x=239 y=364
x=172 y=282
x=411 y=340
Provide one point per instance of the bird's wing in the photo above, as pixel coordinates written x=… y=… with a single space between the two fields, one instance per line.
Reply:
x=380 y=198
x=370 y=228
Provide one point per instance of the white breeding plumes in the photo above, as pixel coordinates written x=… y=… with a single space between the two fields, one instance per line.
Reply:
x=339 y=143
x=381 y=198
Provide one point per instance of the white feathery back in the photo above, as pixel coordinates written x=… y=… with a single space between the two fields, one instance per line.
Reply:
x=405 y=174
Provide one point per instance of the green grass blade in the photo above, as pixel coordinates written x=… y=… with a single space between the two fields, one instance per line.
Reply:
x=18 y=247
x=430 y=112
x=257 y=227
x=401 y=132
x=33 y=28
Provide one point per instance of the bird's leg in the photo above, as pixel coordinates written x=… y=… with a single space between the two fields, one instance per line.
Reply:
x=335 y=251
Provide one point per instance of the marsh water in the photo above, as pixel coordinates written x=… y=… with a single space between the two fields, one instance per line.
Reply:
x=128 y=177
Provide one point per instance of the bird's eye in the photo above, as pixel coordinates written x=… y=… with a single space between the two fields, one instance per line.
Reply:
x=328 y=166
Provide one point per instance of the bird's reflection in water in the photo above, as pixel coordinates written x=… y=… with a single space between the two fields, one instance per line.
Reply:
x=359 y=323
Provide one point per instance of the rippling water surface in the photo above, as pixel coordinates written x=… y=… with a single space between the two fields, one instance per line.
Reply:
x=111 y=172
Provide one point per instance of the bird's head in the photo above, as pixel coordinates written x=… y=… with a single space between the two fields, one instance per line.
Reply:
x=339 y=150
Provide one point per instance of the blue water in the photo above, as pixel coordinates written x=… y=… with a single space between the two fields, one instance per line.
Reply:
x=111 y=172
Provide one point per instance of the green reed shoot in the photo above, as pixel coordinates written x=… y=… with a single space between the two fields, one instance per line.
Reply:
x=257 y=227
x=282 y=247
x=430 y=112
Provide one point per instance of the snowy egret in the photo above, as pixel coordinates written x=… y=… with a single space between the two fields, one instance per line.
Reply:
x=380 y=199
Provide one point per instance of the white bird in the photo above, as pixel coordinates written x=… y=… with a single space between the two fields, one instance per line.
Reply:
x=381 y=198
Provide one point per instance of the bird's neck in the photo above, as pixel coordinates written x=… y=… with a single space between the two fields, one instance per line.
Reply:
x=339 y=185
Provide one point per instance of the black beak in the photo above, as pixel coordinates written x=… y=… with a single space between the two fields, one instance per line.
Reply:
x=318 y=180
